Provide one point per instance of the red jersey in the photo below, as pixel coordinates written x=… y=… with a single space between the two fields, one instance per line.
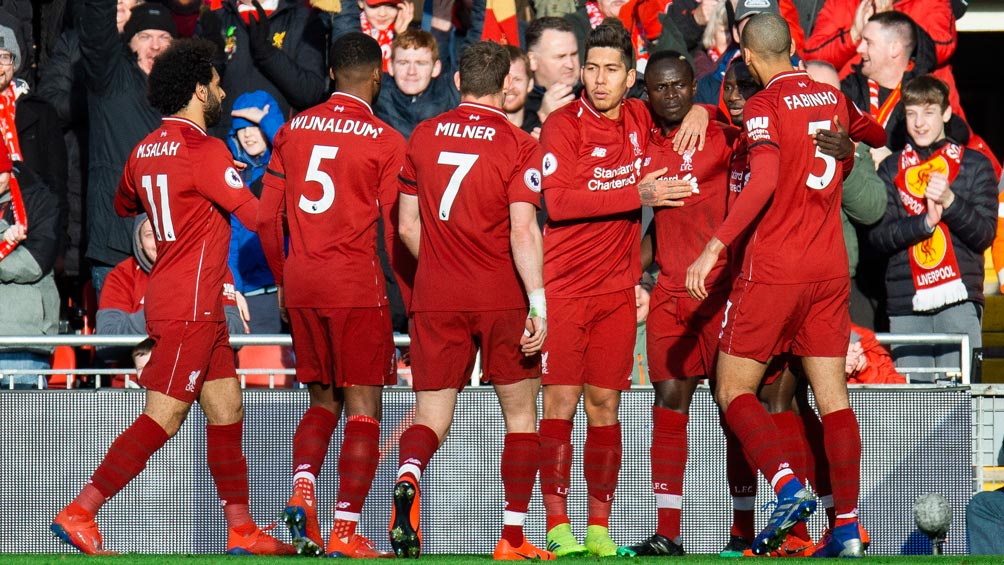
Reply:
x=683 y=232
x=467 y=166
x=332 y=174
x=592 y=164
x=186 y=182
x=799 y=239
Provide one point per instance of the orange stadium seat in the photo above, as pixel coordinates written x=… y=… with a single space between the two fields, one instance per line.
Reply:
x=262 y=358
x=63 y=358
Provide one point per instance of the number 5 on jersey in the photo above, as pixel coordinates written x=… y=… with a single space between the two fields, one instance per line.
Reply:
x=463 y=162
x=315 y=174
x=821 y=182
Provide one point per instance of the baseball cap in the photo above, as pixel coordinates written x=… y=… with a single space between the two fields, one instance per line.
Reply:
x=149 y=16
x=375 y=3
x=747 y=8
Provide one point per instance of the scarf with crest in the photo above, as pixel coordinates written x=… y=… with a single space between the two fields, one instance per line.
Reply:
x=933 y=266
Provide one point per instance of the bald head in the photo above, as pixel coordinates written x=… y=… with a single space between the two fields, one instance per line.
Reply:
x=824 y=72
x=767 y=35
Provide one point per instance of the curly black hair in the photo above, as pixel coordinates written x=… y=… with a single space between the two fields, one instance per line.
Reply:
x=176 y=71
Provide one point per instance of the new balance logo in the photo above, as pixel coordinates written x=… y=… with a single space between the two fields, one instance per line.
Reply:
x=599 y=152
x=302 y=467
x=339 y=109
x=474 y=117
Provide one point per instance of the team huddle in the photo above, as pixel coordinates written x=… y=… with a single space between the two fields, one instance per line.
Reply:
x=746 y=223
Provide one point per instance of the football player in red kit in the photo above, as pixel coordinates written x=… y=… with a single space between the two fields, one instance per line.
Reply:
x=792 y=294
x=186 y=182
x=332 y=176
x=470 y=189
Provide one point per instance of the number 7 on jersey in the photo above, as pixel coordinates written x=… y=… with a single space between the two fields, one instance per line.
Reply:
x=463 y=162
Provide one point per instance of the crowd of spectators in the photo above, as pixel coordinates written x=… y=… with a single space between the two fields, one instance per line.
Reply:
x=73 y=104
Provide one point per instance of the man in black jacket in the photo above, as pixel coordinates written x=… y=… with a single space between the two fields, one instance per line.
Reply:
x=116 y=69
x=940 y=219
x=276 y=46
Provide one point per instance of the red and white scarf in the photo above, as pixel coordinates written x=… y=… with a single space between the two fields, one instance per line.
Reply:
x=881 y=112
x=8 y=127
x=384 y=37
x=933 y=266
x=20 y=218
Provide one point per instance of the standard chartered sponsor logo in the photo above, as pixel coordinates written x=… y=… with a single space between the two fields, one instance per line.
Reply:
x=612 y=179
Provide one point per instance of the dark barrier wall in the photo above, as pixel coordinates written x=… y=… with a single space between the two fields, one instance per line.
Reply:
x=915 y=441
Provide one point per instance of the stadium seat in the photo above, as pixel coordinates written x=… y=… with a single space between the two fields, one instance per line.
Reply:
x=993 y=477
x=63 y=358
x=263 y=358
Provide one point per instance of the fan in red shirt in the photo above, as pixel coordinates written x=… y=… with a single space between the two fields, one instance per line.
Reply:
x=332 y=176
x=594 y=191
x=185 y=181
x=470 y=189
x=793 y=291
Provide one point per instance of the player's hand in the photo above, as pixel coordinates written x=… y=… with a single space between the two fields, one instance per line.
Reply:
x=698 y=271
x=15 y=234
x=855 y=361
x=656 y=192
x=405 y=13
x=253 y=115
x=281 y=297
x=692 y=130
x=882 y=6
x=535 y=133
x=835 y=143
x=242 y=307
x=532 y=340
x=934 y=212
x=240 y=165
x=939 y=191
x=555 y=97
x=642 y=299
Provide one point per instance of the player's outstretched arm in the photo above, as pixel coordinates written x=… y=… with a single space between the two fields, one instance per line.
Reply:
x=528 y=255
x=409 y=222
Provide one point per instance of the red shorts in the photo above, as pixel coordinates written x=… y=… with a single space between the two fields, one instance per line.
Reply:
x=683 y=334
x=591 y=340
x=185 y=354
x=807 y=320
x=343 y=346
x=444 y=345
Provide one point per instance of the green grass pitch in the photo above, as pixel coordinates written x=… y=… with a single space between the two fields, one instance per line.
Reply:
x=138 y=559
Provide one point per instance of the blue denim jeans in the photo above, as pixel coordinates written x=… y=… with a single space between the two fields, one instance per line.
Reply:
x=22 y=360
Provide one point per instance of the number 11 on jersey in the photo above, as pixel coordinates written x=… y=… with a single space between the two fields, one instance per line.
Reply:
x=163 y=225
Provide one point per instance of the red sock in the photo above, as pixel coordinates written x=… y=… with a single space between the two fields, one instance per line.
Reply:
x=311 y=440
x=789 y=424
x=418 y=444
x=555 y=469
x=761 y=439
x=125 y=459
x=668 y=457
x=843 y=450
x=230 y=471
x=601 y=463
x=357 y=465
x=520 y=458
x=742 y=481
x=821 y=473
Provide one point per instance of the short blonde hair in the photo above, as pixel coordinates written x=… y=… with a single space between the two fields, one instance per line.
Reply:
x=415 y=39
x=719 y=20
